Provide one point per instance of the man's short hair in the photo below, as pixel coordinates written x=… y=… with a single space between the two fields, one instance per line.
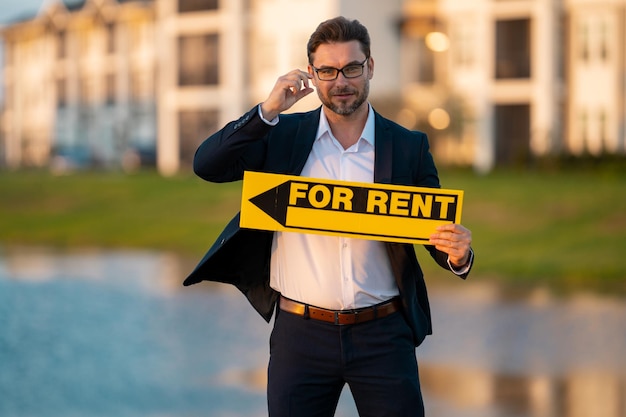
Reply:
x=339 y=30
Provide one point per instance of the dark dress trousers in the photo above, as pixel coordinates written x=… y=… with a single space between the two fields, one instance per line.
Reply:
x=242 y=256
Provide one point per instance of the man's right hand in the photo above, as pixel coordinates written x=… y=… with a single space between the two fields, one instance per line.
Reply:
x=288 y=90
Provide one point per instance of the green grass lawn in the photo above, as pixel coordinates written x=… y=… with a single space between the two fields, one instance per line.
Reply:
x=565 y=230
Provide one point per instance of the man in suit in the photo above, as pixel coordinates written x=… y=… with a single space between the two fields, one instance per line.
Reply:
x=349 y=310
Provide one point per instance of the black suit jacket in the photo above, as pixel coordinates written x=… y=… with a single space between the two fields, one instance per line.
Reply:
x=242 y=257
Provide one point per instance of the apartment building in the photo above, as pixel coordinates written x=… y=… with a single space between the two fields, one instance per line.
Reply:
x=79 y=83
x=112 y=80
x=493 y=82
x=517 y=79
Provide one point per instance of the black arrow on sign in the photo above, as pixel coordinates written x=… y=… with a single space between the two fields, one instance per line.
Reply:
x=274 y=202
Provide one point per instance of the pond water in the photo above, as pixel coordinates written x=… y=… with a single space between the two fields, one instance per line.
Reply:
x=106 y=333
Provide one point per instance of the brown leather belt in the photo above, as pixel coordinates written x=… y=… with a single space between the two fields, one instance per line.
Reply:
x=360 y=315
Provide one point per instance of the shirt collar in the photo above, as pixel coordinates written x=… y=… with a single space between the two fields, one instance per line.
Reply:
x=368 y=131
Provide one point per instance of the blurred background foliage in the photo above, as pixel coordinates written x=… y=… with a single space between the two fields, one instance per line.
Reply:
x=561 y=225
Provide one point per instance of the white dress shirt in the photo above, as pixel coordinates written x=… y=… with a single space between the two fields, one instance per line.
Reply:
x=332 y=272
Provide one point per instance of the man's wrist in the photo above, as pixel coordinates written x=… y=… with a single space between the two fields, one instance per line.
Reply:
x=265 y=116
x=460 y=264
x=462 y=269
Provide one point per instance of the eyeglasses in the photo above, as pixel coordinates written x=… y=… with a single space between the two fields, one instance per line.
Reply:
x=349 y=71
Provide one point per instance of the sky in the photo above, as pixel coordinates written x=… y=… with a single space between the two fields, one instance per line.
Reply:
x=12 y=9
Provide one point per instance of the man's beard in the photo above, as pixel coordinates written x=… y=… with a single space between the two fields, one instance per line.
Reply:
x=343 y=108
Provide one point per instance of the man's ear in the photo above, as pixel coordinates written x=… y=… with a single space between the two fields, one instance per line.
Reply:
x=370 y=68
x=313 y=77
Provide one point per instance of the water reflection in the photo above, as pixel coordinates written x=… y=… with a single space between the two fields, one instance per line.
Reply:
x=534 y=356
x=95 y=333
x=111 y=334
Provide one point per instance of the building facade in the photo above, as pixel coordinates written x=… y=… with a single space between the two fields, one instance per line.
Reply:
x=493 y=82
x=517 y=79
x=80 y=83
x=248 y=44
x=596 y=59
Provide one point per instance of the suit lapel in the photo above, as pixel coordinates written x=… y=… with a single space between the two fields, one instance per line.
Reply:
x=383 y=151
x=305 y=135
x=307 y=130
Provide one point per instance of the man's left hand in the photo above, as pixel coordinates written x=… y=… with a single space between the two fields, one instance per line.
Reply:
x=455 y=240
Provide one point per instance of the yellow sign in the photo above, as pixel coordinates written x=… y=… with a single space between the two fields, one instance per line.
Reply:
x=392 y=213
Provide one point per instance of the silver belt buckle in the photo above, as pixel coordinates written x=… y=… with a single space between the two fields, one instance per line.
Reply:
x=336 y=314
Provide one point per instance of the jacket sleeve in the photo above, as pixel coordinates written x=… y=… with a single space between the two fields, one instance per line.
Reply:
x=238 y=147
x=427 y=176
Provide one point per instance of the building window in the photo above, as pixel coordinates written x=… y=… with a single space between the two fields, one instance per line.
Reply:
x=84 y=91
x=8 y=53
x=185 y=6
x=136 y=92
x=604 y=47
x=462 y=35
x=193 y=127
x=584 y=42
x=563 y=33
x=110 y=36
x=110 y=89
x=142 y=85
x=594 y=39
x=602 y=122
x=513 y=49
x=8 y=96
x=141 y=36
x=584 y=125
x=512 y=133
x=61 y=45
x=61 y=93
x=420 y=60
x=198 y=60
x=85 y=41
